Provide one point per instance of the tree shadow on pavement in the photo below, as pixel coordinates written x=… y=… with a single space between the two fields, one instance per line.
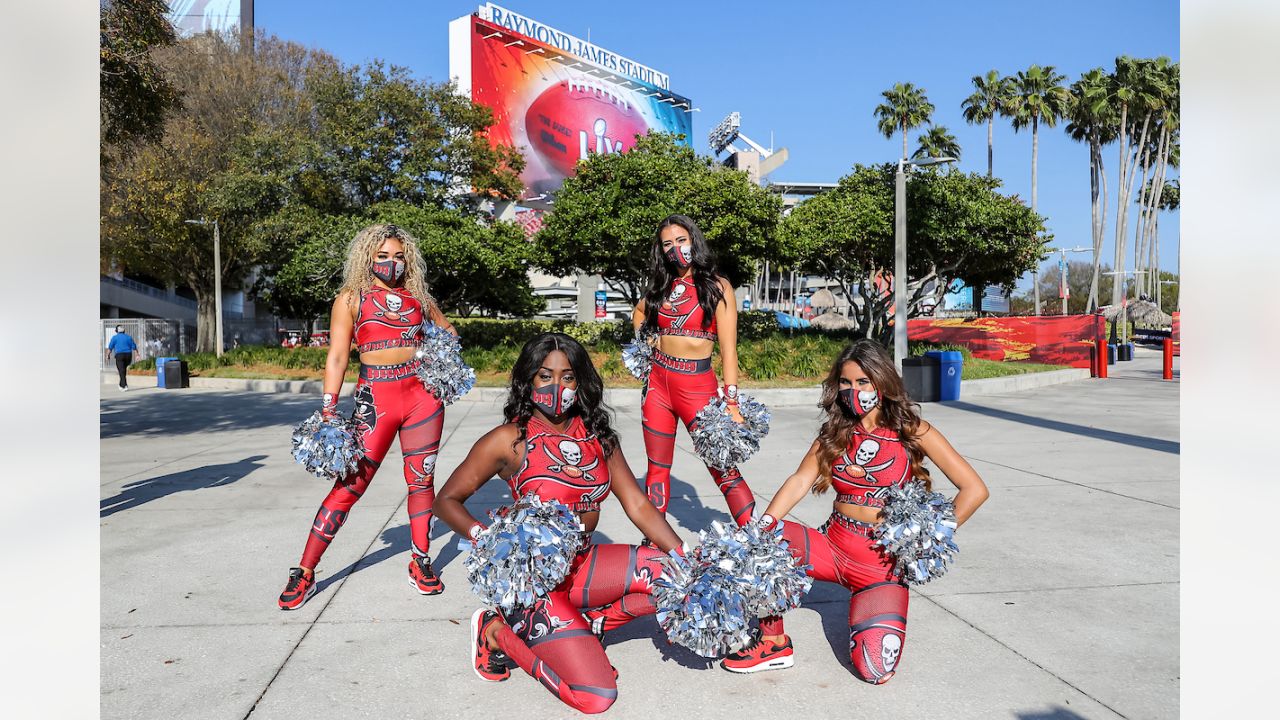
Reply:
x=180 y=413
x=1167 y=446
x=210 y=476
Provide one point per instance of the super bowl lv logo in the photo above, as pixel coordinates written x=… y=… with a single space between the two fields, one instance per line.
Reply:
x=573 y=118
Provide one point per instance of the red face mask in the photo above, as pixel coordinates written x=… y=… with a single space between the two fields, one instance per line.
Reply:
x=859 y=402
x=389 y=271
x=554 y=399
x=680 y=255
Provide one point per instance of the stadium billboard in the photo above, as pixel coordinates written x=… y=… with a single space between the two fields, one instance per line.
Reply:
x=555 y=97
x=192 y=17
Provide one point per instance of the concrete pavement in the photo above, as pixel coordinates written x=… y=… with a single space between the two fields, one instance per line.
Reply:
x=1064 y=602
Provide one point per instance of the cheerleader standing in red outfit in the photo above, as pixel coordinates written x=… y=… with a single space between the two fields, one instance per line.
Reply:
x=383 y=305
x=690 y=307
x=872 y=439
x=557 y=444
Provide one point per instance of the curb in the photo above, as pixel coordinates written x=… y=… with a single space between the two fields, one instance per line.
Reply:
x=626 y=397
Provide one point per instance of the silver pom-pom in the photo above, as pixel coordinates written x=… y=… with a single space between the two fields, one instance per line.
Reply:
x=918 y=531
x=701 y=607
x=706 y=599
x=637 y=355
x=524 y=554
x=721 y=441
x=442 y=369
x=329 y=449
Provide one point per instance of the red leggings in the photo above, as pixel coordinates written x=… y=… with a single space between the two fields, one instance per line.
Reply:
x=678 y=389
x=386 y=404
x=552 y=640
x=841 y=552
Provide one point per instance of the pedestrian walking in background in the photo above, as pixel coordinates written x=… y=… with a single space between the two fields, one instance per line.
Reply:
x=121 y=345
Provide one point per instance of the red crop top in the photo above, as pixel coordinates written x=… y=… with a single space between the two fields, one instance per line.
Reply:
x=387 y=319
x=682 y=315
x=569 y=467
x=881 y=455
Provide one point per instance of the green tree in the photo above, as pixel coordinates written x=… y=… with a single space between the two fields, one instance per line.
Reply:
x=134 y=94
x=960 y=228
x=905 y=108
x=937 y=142
x=604 y=217
x=1079 y=280
x=385 y=135
x=1092 y=120
x=471 y=266
x=990 y=96
x=185 y=174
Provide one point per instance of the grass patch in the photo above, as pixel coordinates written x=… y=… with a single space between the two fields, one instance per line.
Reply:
x=775 y=361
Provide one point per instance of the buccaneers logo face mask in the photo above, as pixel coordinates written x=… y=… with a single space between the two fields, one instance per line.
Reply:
x=389 y=271
x=554 y=399
x=680 y=255
x=859 y=402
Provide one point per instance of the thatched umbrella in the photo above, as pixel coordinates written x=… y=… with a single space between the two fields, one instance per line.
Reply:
x=833 y=321
x=1139 y=312
x=823 y=298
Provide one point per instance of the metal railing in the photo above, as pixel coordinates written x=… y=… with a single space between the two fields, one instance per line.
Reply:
x=150 y=290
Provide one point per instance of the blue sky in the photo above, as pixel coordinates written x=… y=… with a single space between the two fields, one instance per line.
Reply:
x=812 y=72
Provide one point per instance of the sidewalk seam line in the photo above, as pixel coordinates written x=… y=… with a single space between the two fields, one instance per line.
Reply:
x=340 y=584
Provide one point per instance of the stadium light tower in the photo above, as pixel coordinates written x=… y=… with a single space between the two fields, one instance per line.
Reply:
x=722 y=136
x=900 y=253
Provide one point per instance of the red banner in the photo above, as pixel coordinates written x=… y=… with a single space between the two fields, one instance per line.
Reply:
x=1177 y=333
x=1050 y=339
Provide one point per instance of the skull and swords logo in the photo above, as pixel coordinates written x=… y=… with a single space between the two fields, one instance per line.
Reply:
x=394 y=310
x=569 y=461
x=858 y=465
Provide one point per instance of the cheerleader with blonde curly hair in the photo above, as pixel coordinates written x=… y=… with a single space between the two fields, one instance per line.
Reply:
x=383 y=305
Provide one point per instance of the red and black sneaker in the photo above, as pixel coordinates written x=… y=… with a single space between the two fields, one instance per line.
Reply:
x=760 y=655
x=299 y=589
x=423 y=577
x=489 y=664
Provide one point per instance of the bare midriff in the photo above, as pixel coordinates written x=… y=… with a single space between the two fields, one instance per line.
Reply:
x=686 y=347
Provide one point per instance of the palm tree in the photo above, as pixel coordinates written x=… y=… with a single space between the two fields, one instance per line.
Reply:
x=1134 y=88
x=937 y=142
x=1092 y=120
x=989 y=99
x=1038 y=98
x=905 y=107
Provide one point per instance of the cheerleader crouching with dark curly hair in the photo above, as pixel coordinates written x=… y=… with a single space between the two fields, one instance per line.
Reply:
x=557 y=444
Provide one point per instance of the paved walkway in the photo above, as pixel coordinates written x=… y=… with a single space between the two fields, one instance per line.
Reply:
x=1064 y=603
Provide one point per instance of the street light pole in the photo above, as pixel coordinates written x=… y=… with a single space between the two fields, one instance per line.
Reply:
x=900 y=253
x=217 y=280
x=900 y=265
x=1063 y=288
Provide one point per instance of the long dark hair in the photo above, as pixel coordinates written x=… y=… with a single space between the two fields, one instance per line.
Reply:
x=590 y=397
x=897 y=412
x=661 y=274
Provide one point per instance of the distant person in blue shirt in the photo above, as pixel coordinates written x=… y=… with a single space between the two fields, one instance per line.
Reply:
x=122 y=346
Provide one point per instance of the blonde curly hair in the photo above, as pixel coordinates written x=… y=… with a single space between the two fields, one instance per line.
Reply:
x=357 y=274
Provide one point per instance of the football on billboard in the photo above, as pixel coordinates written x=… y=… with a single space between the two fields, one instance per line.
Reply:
x=571 y=119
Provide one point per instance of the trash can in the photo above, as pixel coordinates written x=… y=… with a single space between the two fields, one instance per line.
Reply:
x=160 y=361
x=950 y=370
x=920 y=378
x=175 y=374
x=1124 y=353
x=1111 y=354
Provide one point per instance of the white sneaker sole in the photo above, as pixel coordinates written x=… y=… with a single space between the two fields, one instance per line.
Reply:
x=779 y=664
x=475 y=632
x=414 y=583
